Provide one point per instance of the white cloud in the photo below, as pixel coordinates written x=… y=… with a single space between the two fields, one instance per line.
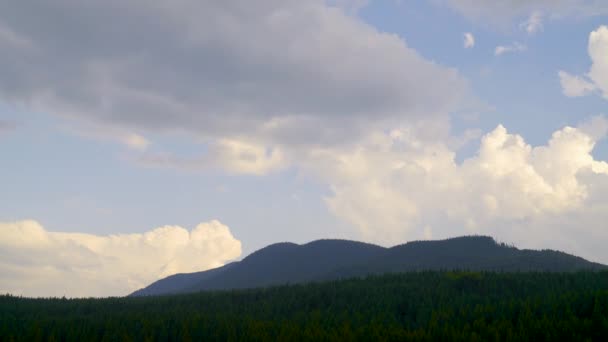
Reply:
x=397 y=187
x=534 y=23
x=515 y=47
x=220 y=71
x=36 y=262
x=469 y=40
x=597 y=77
x=574 y=86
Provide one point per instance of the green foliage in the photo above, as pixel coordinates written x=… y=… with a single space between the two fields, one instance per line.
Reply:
x=424 y=306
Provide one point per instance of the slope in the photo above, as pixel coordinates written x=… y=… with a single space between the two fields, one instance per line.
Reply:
x=321 y=260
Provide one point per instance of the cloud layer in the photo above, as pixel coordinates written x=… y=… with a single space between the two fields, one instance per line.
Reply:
x=36 y=262
x=597 y=77
x=286 y=72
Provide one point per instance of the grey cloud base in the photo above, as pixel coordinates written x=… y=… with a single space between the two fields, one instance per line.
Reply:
x=265 y=71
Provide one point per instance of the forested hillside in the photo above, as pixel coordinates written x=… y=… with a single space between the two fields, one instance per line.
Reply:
x=417 y=306
x=322 y=260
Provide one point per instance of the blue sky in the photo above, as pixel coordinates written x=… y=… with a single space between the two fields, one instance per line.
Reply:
x=523 y=88
x=291 y=121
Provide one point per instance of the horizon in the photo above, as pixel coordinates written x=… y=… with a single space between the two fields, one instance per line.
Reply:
x=140 y=140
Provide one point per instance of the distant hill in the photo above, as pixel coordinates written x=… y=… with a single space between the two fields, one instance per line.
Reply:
x=320 y=260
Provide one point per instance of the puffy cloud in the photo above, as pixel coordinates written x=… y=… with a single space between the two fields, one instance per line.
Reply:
x=36 y=262
x=469 y=40
x=397 y=187
x=265 y=72
x=597 y=77
x=515 y=47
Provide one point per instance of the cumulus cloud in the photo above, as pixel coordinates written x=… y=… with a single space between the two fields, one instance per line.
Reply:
x=597 y=77
x=265 y=72
x=515 y=47
x=469 y=40
x=36 y=262
x=397 y=187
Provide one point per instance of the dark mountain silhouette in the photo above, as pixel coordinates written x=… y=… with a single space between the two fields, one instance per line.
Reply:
x=285 y=263
x=280 y=263
x=178 y=283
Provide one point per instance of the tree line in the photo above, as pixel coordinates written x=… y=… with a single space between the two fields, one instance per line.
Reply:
x=417 y=306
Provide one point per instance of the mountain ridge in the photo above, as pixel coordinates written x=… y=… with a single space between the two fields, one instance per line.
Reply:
x=330 y=259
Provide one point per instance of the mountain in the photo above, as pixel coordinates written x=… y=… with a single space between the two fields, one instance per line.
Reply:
x=279 y=263
x=320 y=260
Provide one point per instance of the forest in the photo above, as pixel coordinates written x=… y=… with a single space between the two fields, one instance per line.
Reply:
x=415 y=306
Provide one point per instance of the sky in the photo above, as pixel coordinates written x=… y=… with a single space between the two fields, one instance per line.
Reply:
x=140 y=139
